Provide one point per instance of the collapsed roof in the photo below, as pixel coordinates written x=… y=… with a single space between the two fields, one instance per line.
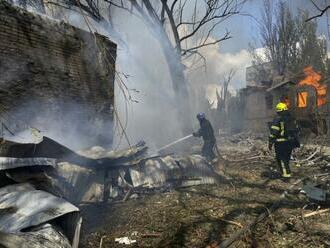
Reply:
x=39 y=183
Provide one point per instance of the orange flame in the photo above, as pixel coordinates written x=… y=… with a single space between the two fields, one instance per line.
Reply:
x=313 y=79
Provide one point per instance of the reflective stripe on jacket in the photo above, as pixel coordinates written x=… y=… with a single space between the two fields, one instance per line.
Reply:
x=278 y=131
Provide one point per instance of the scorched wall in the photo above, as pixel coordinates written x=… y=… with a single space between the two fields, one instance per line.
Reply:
x=54 y=77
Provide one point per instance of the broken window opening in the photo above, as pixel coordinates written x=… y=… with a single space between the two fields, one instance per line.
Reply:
x=302 y=99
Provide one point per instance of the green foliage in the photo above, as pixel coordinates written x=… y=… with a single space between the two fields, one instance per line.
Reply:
x=312 y=48
x=290 y=42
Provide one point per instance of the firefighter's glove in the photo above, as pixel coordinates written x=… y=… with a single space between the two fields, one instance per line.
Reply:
x=195 y=134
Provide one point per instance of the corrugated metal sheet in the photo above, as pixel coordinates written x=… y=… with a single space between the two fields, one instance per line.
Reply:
x=182 y=171
x=45 y=236
x=11 y=163
x=22 y=206
x=24 y=211
x=79 y=183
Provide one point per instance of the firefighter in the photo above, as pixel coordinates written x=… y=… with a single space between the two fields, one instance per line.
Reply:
x=284 y=137
x=207 y=133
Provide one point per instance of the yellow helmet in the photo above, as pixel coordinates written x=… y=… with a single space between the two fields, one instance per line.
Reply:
x=281 y=107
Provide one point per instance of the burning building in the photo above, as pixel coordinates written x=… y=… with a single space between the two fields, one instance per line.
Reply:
x=306 y=95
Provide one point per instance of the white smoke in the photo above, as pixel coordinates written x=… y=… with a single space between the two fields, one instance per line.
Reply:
x=145 y=73
x=141 y=66
x=71 y=124
x=219 y=64
x=211 y=93
x=208 y=77
x=154 y=117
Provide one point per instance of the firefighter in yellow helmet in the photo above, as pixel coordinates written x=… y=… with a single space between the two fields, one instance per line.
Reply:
x=284 y=137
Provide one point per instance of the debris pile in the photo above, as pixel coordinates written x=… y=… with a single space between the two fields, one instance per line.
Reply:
x=41 y=182
x=235 y=197
x=249 y=207
x=132 y=171
x=34 y=210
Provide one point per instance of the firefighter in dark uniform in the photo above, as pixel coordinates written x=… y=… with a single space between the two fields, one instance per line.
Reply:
x=207 y=133
x=284 y=137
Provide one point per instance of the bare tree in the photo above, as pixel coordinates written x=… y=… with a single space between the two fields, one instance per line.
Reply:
x=167 y=19
x=182 y=27
x=190 y=31
x=220 y=114
x=322 y=10
x=224 y=90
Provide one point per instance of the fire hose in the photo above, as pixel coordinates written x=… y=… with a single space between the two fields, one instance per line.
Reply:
x=175 y=142
x=183 y=139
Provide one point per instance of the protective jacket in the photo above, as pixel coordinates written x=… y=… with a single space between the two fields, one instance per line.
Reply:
x=284 y=129
x=205 y=131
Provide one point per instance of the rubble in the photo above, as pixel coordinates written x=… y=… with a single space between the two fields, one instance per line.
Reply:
x=26 y=215
x=246 y=199
x=60 y=79
x=138 y=189
x=181 y=171
x=41 y=181
x=33 y=212
x=317 y=188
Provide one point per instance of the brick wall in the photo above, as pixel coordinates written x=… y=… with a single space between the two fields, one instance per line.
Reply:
x=52 y=73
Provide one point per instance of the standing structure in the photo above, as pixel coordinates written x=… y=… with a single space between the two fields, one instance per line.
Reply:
x=305 y=93
x=56 y=78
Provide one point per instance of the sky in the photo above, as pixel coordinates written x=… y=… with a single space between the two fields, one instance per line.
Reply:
x=234 y=53
x=244 y=29
x=138 y=49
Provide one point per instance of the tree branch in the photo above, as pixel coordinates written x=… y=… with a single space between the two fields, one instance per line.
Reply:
x=211 y=15
x=204 y=44
x=173 y=5
x=322 y=11
x=173 y=26
x=200 y=57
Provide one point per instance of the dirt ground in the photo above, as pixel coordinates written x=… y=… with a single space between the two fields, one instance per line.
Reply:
x=206 y=215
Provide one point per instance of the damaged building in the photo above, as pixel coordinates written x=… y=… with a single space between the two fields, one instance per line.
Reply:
x=305 y=93
x=51 y=74
x=64 y=183
x=55 y=77
x=51 y=70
